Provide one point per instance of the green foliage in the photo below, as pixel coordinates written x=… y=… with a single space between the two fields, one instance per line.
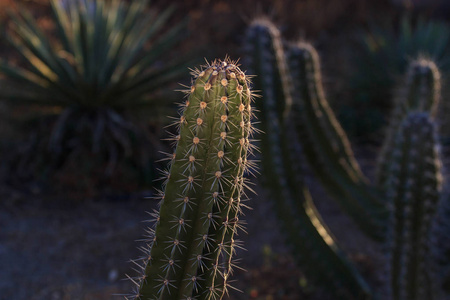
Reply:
x=104 y=62
x=382 y=57
x=189 y=252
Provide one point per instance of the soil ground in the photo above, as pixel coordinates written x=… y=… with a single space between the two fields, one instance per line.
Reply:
x=55 y=247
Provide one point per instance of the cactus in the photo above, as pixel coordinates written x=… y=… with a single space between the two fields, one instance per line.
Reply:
x=264 y=37
x=327 y=147
x=193 y=242
x=441 y=242
x=191 y=247
x=300 y=124
x=315 y=246
x=413 y=191
x=421 y=92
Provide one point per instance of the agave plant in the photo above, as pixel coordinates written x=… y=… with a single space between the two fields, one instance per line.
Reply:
x=104 y=62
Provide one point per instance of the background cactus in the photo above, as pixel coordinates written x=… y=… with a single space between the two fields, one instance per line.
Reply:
x=326 y=145
x=305 y=126
x=420 y=92
x=383 y=53
x=328 y=149
x=441 y=242
x=264 y=50
x=189 y=254
x=315 y=246
x=414 y=184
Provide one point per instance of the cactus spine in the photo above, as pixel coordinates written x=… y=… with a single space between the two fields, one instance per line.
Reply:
x=314 y=245
x=413 y=192
x=190 y=255
x=420 y=92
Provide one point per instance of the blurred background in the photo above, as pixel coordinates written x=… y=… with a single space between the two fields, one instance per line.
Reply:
x=79 y=160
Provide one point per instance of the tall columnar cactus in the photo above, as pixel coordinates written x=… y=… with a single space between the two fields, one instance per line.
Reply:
x=441 y=242
x=413 y=191
x=190 y=253
x=314 y=245
x=264 y=37
x=299 y=122
x=326 y=145
x=420 y=92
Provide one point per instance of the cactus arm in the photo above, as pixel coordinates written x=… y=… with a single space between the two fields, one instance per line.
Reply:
x=176 y=266
x=420 y=92
x=413 y=192
x=423 y=82
x=328 y=126
x=272 y=54
x=315 y=247
x=353 y=283
x=326 y=146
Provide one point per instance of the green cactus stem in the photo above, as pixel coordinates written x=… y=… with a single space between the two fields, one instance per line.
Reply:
x=420 y=92
x=441 y=240
x=413 y=192
x=313 y=245
x=264 y=33
x=326 y=146
x=190 y=252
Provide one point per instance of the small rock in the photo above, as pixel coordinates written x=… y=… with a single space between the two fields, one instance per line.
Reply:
x=113 y=275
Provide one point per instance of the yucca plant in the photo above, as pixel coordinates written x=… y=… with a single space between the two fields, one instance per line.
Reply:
x=104 y=62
